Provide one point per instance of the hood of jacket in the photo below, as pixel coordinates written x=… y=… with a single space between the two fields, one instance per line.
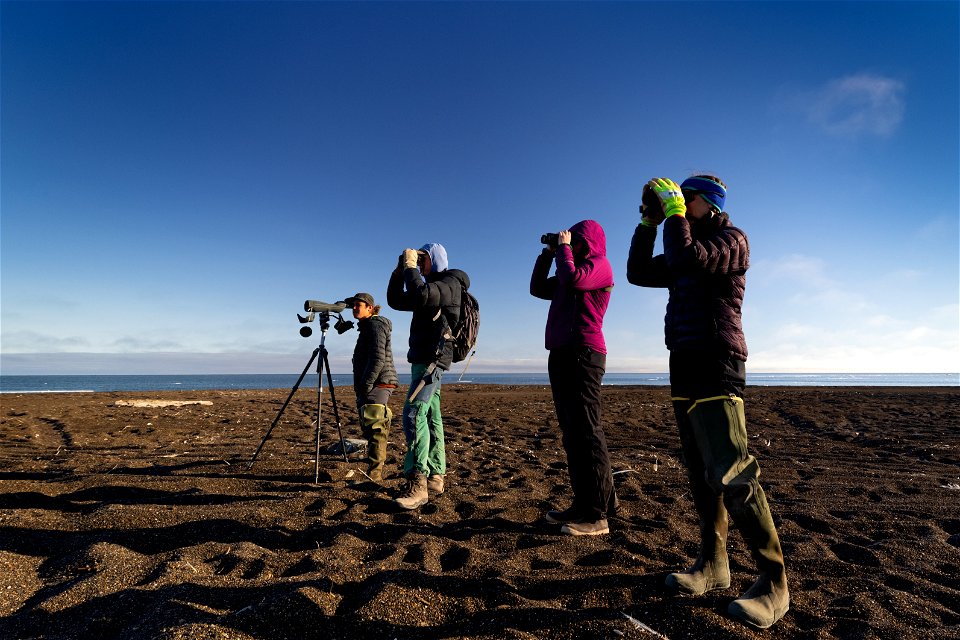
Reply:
x=438 y=256
x=593 y=238
x=378 y=318
x=457 y=274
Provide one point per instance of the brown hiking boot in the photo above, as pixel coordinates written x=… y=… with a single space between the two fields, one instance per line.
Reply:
x=563 y=517
x=414 y=494
x=598 y=528
x=435 y=484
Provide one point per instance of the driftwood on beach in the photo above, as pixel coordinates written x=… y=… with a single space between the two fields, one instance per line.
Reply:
x=119 y=520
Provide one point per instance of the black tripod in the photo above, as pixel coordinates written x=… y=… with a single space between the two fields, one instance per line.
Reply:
x=322 y=362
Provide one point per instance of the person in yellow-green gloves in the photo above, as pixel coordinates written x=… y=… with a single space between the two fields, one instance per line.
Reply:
x=374 y=380
x=704 y=264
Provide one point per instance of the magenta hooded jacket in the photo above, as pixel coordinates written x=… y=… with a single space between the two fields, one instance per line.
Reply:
x=579 y=292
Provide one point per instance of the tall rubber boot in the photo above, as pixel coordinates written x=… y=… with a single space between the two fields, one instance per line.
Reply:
x=719 y=427
x=375 y=423
x=711 y=570
x=768 y=599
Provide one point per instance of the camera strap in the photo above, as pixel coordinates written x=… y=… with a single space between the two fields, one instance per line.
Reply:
x=446 y=335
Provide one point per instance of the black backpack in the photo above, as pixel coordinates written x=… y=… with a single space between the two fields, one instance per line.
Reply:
x=464 y=335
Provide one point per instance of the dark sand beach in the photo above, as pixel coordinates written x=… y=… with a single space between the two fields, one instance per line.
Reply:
x=121 y=521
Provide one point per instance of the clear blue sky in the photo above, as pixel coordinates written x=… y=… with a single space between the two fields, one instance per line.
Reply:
x=178 y=177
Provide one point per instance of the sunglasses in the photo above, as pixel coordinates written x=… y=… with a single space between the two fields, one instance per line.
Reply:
x=689 y=196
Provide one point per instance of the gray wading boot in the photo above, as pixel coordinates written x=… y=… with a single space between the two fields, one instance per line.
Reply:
x=768 y=599
x=376 y=422
x=414 y=494
x=711 y=569
x=719 y=425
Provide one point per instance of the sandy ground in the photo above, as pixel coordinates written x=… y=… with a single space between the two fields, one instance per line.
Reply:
x=125 y=521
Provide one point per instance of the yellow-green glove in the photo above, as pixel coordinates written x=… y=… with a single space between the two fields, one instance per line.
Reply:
x=670 y=196
x=410 y=258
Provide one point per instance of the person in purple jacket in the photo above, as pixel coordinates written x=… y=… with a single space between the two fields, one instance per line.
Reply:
x=579 y=293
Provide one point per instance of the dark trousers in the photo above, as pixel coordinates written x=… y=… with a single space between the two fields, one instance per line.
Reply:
x=697 y=375
x=575 y=378
x=377 y=395
x=701 y=377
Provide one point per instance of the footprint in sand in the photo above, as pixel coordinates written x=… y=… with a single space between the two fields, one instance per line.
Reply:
x=809 y=523
x=454 y=558
x=855 y=554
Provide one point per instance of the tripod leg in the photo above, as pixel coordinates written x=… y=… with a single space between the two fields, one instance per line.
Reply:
x=321 y=361
x=283 y=408
x=333 y=401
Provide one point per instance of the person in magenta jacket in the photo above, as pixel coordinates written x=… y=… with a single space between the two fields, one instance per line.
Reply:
x=579 y=293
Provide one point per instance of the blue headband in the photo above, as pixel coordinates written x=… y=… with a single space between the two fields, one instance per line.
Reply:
x=713 y=191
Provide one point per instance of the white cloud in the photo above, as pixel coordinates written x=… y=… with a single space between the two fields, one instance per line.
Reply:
x=801 y=317
x=792 y=267
x=135 y=344
x=856 y=105
x=889 y=345
x=30 y=341
x=850 y=358
x=880 y=320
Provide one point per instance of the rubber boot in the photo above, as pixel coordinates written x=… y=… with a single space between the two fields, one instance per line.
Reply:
x=414 y=494
x=711 y=569
x=376 y=418
x=768 y=599
x=375 y=425
x=719 y=426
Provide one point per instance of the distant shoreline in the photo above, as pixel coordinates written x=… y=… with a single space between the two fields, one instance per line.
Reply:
x=226 y=382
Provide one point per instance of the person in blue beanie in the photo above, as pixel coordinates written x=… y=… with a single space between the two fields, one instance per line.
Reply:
x=704 y=264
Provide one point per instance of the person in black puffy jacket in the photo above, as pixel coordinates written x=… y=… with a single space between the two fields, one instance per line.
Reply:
x=703 y=265
x=423 y=284
x=374 y=379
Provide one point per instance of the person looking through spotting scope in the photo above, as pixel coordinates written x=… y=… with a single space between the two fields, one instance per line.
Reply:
x=374 y=379
x=579 y=294
x=704 y=264
x=423 y=284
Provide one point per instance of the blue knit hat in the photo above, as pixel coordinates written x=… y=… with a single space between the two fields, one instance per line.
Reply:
x=714 y=192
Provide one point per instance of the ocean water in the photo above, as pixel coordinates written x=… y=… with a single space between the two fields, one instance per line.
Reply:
x=41 y=384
